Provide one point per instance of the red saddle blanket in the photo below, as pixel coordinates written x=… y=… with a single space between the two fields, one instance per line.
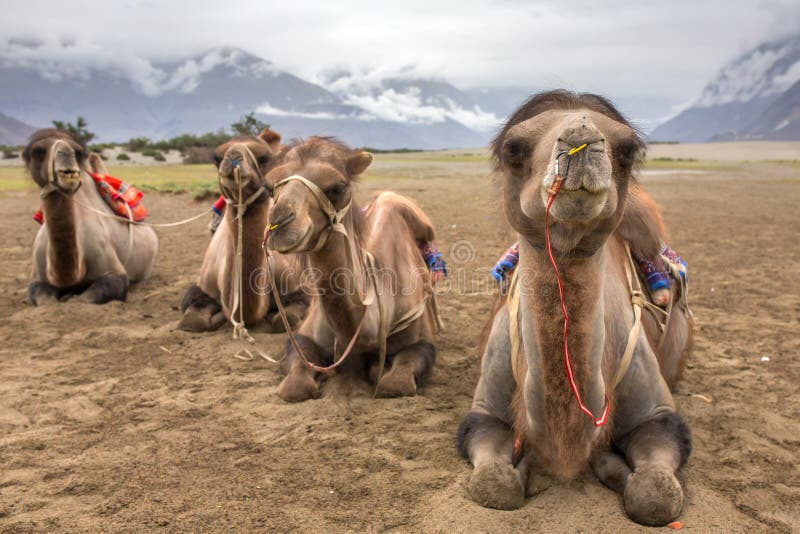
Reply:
x=124 y=199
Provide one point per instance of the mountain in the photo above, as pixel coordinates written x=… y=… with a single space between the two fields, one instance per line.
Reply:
x=124 y=96
x=214 y=89
x=755 y=96
x=14 y=132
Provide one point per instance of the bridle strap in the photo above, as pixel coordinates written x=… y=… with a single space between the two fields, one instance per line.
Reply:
x=336 y=224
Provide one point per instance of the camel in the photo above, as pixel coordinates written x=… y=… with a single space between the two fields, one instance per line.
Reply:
x=78 y=251
x=371 y=288
x=525 y=415
x=213 y=300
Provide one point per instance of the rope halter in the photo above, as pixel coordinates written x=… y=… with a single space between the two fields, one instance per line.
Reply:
x=335 y=217
x=52 y=185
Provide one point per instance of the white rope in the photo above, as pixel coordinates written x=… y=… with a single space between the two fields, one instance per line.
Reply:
x=141 y=223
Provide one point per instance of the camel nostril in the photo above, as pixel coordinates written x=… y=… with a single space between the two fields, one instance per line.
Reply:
x=281 y=219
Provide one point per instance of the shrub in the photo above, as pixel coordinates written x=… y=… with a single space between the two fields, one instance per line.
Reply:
x=123 y=157
x=198 y=154
x=159 y=157
x=137 y=144
x=9 y=153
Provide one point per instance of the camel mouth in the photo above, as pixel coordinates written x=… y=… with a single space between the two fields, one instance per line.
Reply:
x=579 y=205
x=69 y=178
x=280 y=243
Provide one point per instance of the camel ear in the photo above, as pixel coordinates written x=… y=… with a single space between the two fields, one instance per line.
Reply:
x=96 y=164
x=358 y=163
x=273 y=139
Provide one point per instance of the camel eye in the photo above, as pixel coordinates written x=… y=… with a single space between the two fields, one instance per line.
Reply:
x=217 y=160
x=39 y=152
x=336 y=190
x=80 y=155
x=515 y=152
x=263 y=160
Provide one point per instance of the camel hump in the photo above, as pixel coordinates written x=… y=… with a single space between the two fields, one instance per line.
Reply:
x=393 y=203
x=642 y=225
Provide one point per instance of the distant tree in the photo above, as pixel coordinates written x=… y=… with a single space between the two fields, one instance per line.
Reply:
x=248 y=125
x=78 y=130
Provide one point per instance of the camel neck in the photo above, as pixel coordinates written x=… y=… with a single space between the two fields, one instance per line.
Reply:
x=64 y=255
x=334 y=280
x=559 y=427
x=254 y=222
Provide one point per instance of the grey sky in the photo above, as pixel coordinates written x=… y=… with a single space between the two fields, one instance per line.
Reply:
x=665 y=49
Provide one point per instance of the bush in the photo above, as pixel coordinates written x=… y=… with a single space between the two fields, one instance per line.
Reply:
x=123 y=157
x=198 y=154
x=149 y=152
x=8 y=153
x=138 y=144
x=79 y=130
x=159 y=157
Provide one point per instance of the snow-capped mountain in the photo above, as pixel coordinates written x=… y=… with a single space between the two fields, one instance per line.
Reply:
x=751 y=98
x=123 y=96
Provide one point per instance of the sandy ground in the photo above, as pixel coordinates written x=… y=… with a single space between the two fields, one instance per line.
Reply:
x=112 y=420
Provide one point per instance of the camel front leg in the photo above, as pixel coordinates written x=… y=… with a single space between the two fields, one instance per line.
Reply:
x=488 y=443
x=485 y=436
x=40 y=293
x=656 y=449
x=300 y=382
x=409 y=367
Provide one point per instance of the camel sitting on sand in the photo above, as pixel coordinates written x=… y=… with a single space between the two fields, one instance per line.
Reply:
x=78 y=251
x=215 y=298
x=372 y=299
x=565 y=162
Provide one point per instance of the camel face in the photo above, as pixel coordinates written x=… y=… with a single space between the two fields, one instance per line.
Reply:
x=594 y=179
x=298 y=220
x=242 y=163
x=297 y=212
x=58 y=158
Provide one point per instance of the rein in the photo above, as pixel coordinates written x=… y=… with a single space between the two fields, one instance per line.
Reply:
x=241 y=204
x=555 y=187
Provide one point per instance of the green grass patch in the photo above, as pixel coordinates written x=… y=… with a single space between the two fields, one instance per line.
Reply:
x=199 y=180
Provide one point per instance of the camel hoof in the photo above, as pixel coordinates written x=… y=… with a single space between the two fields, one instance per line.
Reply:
x=496 y=485
x=397 y=382
x=298 y=387
x=653 y=496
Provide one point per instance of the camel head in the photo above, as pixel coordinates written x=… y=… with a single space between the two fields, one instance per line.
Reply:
x=301 y=216
x=591 y=200
x=55 y=161
x=246 y=159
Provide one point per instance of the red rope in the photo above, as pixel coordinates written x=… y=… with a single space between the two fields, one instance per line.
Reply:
x=554 y=189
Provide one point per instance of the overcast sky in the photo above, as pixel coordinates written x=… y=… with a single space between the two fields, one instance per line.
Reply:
x=667 y=49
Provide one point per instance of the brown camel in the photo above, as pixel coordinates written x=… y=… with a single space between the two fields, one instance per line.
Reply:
x=208 y=304
x=78 y=251
x=524 y=414
x=370 y=283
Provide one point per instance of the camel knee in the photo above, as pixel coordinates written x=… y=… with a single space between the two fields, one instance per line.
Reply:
x=108 y=288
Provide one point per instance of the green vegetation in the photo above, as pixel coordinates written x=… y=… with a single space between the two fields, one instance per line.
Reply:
x=248 y=125
x=123 y=157
x=79 y=130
